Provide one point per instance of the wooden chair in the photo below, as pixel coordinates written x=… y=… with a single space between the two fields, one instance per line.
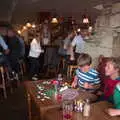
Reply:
x=5 y=81
x=61 y=65
x=70 y=70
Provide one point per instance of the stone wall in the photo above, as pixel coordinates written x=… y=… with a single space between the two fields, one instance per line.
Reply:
x=106 y=41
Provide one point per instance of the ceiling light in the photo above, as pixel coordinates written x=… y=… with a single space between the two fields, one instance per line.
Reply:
x=54 y=20
x=28 y=25
x=33 y=25
x=24 y=28
x=78 y=30
x=85 y=20
x=19 y=32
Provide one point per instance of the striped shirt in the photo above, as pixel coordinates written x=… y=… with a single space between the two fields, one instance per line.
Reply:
x=90 y=77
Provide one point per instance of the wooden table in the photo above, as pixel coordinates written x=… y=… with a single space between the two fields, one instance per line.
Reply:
x=97 y=113
x=43 y=106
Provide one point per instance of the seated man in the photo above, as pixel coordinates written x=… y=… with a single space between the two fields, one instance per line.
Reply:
x=15 y=50
x=4 y=51
x=86 y=77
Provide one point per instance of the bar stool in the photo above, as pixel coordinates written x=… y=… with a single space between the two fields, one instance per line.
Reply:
x=5 y=81
x=70 y=70
x=22 y=67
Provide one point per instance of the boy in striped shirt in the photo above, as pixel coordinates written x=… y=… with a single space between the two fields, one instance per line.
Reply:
x=86 y=77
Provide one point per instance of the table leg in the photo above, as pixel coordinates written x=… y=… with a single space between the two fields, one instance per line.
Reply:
x=29 y=106
x=42 y=111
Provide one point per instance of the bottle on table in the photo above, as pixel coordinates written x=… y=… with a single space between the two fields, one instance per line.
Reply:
x=59 y=79
x=58 y=95
x=86 y=111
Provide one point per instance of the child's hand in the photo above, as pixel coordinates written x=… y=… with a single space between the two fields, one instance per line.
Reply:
x=86 y=85
x=90 y=86
x=74 y=84
x=113 y=112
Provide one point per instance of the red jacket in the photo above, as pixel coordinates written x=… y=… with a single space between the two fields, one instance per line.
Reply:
x=109 y=86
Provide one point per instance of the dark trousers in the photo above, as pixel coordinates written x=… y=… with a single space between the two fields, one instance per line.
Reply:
x=5 y=62
x=14 y=61
x=34 y=66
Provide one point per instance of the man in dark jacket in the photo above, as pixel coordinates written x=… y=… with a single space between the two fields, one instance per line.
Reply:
x=15 y=50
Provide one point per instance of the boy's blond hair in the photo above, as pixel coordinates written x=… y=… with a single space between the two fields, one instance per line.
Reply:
x=84 y=59
x=116 y=62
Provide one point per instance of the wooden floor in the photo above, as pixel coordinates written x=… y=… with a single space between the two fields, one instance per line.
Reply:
x=15 y=106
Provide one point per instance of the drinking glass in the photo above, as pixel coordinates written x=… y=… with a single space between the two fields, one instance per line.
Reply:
x=67 y=107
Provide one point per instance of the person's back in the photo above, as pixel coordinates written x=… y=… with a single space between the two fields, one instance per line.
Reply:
x=79 y=43
x=14 y=46
x=15 y=49
x=86 y=77
x=22 y=46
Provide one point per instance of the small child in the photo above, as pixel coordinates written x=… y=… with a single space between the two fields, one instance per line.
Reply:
x=112 y=86
x=86 y=77
x=116 y=98
x=112 y=70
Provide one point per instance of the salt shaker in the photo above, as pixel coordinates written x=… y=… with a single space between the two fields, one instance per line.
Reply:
x=75 y=105
x=86 y=112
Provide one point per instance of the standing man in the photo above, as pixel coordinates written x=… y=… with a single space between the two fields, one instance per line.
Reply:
x=67 y=48
x=78 y=43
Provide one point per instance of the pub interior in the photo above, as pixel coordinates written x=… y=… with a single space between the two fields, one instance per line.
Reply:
x=60 y=60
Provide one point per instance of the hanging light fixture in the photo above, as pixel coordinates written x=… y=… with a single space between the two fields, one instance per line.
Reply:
x=19 y=32
x=24 y=28
x=28 y=25
x=54 y=20
x=85 y=20
x=78 y=30
x=33 y=26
